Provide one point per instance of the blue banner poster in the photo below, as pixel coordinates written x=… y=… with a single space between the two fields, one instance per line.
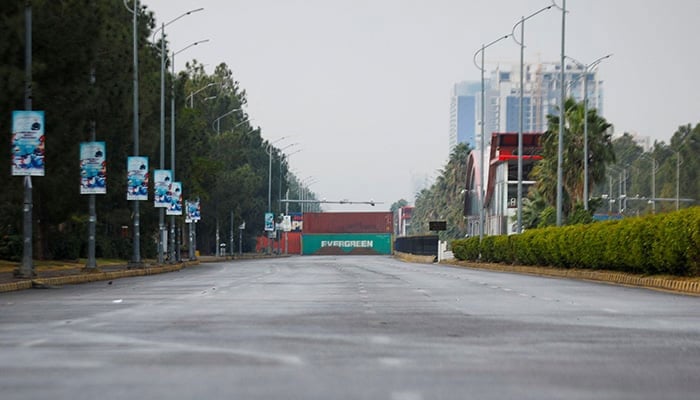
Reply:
x=137 y=178
x=194 y=211
x=175 y=207
x=162 y=178
x=269 y=222
x=27 y=143
x=93 y=168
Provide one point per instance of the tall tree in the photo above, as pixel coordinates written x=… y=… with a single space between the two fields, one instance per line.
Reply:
x=600 y=154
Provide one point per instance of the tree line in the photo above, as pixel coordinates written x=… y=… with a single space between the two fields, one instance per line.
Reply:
x=221 y=161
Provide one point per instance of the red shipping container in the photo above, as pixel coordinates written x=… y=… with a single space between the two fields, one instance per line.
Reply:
x=348 y=222
x=292 y=245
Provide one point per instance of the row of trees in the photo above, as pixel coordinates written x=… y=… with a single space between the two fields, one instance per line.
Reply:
x=444 y=199
x=225 y=165
x=623 y=177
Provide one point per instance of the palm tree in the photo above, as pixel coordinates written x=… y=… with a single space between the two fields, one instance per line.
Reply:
x=600 y=153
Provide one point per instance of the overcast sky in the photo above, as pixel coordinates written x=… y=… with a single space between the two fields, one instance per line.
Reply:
x=364 y=85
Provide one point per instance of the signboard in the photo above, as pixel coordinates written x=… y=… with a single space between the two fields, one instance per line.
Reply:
x=175 y=196
x=287 y=223
x=93 y=168
x=269 y=222
x=194 y=211
x=438 y=225
x=162 y=178
x=137 y=178
x=27 y=143
x=348 y=243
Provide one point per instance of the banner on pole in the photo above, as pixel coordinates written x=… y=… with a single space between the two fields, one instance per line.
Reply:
x=269 y=222
x=162 y=178
x=175 y=206
x=194 y=212
x=27 y=143
x=137 y=178
x=93 y=168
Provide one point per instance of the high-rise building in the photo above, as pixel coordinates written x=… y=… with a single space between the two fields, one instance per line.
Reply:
x=463 y=113
x=541 y=97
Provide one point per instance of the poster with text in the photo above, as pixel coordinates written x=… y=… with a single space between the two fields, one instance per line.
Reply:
x=194 y=212
x=93 y=168
x=27 y=143
x=269 y=222
x=137 y=178
x=162 y=178
x=175 y=207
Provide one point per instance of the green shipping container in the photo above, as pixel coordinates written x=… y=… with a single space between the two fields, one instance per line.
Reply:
x=346 y=244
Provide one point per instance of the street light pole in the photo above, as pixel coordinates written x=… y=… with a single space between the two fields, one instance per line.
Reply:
x=191 y=96
x=217 y=121
x=161 y=211
x=562 y=114
x=26 y=269
x=136 y=260
x=586 y=70
x=482 y=190
x=174 y=255
x=521 y=112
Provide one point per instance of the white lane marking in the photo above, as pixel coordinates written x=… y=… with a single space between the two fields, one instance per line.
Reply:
x=391 y=362
x=507 y=290
x=610 y=310
x=380 y=340
x=117 y=301
x=524 y=294
x=406 y=396
x=33 y=343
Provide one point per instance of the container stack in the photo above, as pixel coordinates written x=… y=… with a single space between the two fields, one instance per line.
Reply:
x=347 y=233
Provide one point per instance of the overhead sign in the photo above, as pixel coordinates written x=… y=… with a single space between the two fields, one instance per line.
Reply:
x=438 y=225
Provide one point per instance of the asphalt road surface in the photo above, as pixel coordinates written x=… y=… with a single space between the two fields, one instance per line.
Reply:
x=347 y=328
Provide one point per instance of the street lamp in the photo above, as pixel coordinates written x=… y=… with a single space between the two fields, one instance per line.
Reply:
x=521 y=43
x=586 y=69
x=191 y=96
x=562 y=113
x=217 y=121
x=279 y=210
x=161 y=212
x=482 y=191
x=136 y=257
x=172 y=252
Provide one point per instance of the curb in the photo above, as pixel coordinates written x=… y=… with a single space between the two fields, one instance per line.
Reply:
x=679 y=286
x=88 y=277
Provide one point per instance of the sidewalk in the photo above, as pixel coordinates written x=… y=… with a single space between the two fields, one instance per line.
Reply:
x=56 y=273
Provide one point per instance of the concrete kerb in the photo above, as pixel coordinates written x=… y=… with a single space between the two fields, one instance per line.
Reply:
x=680 y=286
x=90 y=277
x=688 y=287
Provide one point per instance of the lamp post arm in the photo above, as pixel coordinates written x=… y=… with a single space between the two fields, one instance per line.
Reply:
x=522 y=20
x=486 y=46
x=171 y=21
x=191 y=45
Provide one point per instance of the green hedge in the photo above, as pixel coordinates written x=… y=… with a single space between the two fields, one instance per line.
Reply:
x=657 y=244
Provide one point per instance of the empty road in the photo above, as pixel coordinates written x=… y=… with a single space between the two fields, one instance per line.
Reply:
x=354 y=327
